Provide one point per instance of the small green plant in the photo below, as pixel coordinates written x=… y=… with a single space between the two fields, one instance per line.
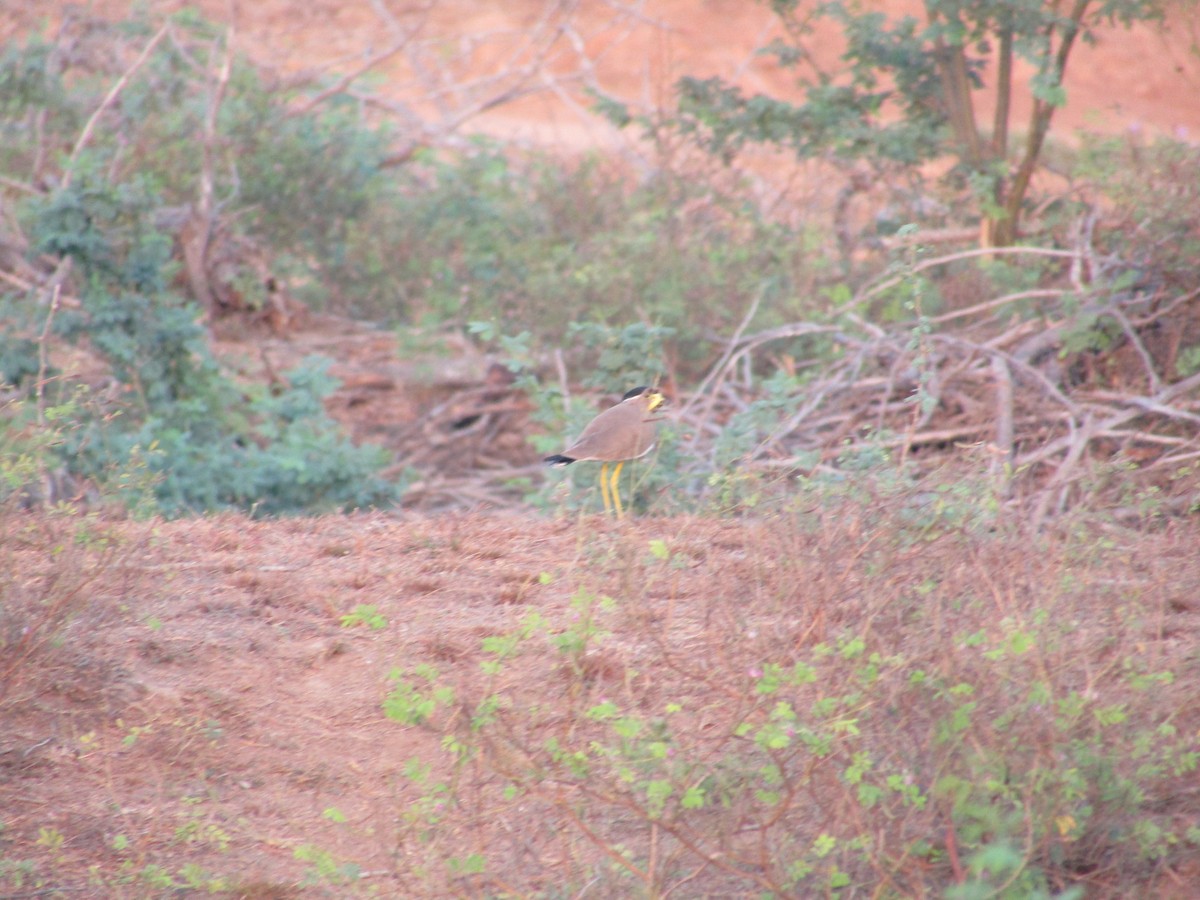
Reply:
x=19 y=873
x=413 y=701
x=584 y=630
x=198 y=828
x=365 y=614
x=50 y=838
x=325 y=868
x=135 y=733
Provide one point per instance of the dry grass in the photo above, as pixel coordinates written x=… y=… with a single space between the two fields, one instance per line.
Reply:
x=207 y=715
x=53 y=562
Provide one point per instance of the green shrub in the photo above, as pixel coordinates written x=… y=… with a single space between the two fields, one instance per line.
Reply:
x=211 y=443
x=274 y=454
x=550 y=248
x=293 y=182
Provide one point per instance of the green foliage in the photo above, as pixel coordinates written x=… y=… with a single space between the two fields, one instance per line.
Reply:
x=190 y=877
x=29 y=82
x=1188 y=361
x=307 y=182
x=365 y=614
x=210 y=443
x=782 y=395
x=295 y=181
x=537 y=246
x=209 y=459
x=152 y=339
x=630 y=356
x=838 y=118
x=19 y=873
x=1090 y=332
x=27 y=446
x=325 y=868
x=26 y=81
x=18 y=359
x=413 y=702
x=904 y=93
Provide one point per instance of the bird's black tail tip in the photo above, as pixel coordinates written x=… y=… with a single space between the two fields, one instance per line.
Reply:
x=558 y=460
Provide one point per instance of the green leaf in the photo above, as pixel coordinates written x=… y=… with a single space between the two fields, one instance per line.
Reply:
x=693 y=798
x=824 y=845
x=602 y=711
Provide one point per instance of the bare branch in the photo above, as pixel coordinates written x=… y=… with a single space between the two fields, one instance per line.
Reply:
x=340 y=86
x=890 y=282
x=198 y=230
x=1136 y=342
x=86 y=135
x=1002 y=463
x=989 y=305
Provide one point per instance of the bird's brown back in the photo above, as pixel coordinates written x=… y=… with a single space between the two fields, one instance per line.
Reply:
x=624 y=431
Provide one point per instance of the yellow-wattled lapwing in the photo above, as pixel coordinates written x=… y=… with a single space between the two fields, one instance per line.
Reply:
x=622 y=432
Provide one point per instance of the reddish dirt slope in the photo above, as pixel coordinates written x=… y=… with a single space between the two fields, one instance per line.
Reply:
x=1146 y=77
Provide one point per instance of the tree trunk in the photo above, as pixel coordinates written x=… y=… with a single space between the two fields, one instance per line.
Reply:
x=999 y=150
x=1007 y=228
x=957 y=97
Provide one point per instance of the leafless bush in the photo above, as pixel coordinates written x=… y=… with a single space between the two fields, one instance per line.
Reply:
x=51 y=562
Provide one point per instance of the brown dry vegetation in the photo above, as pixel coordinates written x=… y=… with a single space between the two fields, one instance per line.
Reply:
x=206 y=706
x=199 y=704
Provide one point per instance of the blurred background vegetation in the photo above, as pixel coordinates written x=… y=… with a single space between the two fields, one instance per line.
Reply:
x=154 y=180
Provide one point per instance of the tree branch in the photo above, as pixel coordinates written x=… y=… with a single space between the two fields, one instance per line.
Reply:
x=1043 y=114
x=86 y=135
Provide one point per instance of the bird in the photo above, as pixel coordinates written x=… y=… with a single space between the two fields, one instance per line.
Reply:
x=620 y=433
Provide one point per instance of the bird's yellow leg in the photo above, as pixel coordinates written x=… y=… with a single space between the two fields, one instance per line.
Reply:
x=604 y=487
x=616 y=489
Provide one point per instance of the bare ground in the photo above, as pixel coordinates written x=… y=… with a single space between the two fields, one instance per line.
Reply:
x=210 y=686
x=211 y=680
x=211 y=706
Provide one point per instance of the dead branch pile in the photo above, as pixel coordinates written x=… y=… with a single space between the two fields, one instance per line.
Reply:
x=1045 y=415
x=467 y=450
x=1051 y=425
